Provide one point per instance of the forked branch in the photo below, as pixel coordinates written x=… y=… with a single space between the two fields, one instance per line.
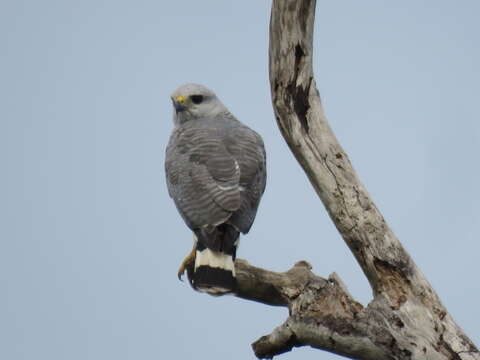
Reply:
x=405 y=319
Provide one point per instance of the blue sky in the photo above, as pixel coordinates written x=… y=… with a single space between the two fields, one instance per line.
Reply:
x=90 y=241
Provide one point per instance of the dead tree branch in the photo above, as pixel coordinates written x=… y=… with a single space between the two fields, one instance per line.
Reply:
x=405 y=319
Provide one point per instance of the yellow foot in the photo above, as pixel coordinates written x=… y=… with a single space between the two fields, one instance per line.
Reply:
x=187 y=264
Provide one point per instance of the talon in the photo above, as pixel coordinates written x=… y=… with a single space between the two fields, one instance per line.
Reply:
x=181 y=271
x=187 y=263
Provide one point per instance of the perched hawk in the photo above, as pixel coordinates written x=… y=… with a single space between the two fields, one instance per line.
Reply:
x=216 y=173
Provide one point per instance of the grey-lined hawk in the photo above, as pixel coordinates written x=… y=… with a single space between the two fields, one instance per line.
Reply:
x=216 y=173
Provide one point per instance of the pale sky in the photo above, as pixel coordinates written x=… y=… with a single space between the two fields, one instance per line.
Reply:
x=90 y=242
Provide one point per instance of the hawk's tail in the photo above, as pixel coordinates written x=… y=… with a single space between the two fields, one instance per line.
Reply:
x=214 y=271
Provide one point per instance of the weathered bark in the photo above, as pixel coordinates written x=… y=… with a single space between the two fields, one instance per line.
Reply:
x=405 y=319
x=323 y=315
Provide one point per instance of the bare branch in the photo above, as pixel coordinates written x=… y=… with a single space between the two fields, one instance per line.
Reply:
x=322 y=312
x=323 y=315
x=301 y=119
x=281 y=340
x=269 y=287
x=405 y=319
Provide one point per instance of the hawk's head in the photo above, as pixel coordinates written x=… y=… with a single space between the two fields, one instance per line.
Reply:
x=194 y=101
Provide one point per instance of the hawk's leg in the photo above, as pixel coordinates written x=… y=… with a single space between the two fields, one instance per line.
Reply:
x=188 y=264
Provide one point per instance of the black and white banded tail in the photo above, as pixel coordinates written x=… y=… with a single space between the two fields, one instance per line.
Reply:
x=214 y=270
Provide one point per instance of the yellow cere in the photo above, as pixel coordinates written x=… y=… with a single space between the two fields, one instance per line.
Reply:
x=180 y=99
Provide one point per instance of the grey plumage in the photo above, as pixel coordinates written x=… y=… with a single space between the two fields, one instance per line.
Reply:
x=215 y=169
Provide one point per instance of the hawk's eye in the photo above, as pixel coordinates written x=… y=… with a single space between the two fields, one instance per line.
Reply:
x=197 y=99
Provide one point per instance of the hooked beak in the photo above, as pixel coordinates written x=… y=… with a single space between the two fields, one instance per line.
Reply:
x=179 y=103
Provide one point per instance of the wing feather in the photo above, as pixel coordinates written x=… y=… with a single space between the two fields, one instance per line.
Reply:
x=248 y=149
x=202 y=177
x=216 y=172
